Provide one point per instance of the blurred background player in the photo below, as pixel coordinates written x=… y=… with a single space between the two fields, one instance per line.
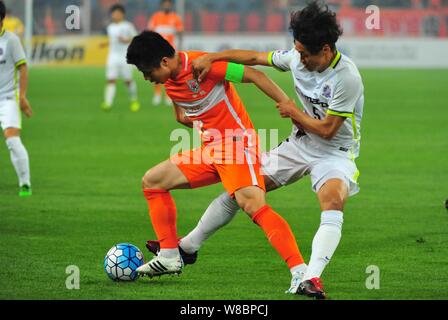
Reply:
x=13 y=24
x=12 y=93
x=167 y=23
x=120 y=33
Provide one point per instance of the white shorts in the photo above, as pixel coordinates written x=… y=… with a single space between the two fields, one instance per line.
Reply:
x=10 y=116
x=295 y=158
x=118 y=70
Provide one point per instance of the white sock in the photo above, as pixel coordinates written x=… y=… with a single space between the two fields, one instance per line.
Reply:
x=169 y=253
x=109 y=93
x=132 y=90
x=218 y=214
x=19 y=159
x=325 y=242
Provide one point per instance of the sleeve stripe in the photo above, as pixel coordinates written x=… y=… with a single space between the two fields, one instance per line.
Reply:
x=270 y=58
x=235 y=72
x=340 y=114
x=20 y=62
x=340 y=111
x=271 y=62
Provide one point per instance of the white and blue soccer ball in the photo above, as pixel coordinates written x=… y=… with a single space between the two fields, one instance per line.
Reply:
x=122 y=261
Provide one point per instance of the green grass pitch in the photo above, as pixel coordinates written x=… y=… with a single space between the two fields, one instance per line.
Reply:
x=87 y=167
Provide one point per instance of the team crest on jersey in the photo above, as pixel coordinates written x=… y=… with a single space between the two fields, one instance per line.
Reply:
x=193 y=84
x=326 y=92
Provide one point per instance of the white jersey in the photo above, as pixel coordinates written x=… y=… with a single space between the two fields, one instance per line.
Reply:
x=11 y=56
x=118 y=49
x=338 y=90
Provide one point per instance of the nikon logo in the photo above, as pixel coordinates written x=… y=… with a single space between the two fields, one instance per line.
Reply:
x=43 y=51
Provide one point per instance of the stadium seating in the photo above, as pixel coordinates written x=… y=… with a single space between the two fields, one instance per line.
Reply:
x=209 y=21
x=188 y=23
x=253 y=22
x=275 y=22
x=232 y=22
x=140 y=22
x=416 y=17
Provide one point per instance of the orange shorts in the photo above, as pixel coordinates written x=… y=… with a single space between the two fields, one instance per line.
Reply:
x=236 y=173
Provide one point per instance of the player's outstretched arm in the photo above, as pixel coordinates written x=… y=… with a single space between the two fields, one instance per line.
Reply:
x=181 y=117
x=24 y=104
x=325 y=128
x=265 y=84
x=203 y=64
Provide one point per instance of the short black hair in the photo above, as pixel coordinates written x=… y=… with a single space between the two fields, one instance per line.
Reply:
x=118 y=7
x=2 y=10
x=148 y=49
x=314 y=26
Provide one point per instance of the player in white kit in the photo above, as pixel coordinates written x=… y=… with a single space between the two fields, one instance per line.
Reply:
x=13 y=86
x=324 y=141
x=120 y=33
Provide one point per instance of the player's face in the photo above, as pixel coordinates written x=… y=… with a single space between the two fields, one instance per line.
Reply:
x=117 y=16
x=167 y=6
x=157 y=75
x=312 y=62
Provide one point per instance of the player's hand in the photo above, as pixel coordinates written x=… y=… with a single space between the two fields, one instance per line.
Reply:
x=286 y=108
x=201 y=67
x=26 y=107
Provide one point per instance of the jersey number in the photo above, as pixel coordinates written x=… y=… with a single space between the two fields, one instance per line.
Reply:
x=316 y=113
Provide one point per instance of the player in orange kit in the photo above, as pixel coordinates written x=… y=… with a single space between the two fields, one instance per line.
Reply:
x=169 y=25
x=215 y=109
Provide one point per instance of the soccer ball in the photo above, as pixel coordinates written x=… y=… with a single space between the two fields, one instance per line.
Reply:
x=122 y=261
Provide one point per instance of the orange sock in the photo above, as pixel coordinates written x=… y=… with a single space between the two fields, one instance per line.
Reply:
x=279 y=234
x=162 y=211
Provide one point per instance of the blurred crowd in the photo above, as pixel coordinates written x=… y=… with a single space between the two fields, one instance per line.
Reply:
x=243 y=15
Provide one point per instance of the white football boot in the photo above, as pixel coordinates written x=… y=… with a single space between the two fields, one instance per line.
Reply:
x=297 y=278
x=160 y=266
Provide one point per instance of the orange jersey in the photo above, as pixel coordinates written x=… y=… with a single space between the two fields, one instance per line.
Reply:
x=213 y=105
x=167 y=24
